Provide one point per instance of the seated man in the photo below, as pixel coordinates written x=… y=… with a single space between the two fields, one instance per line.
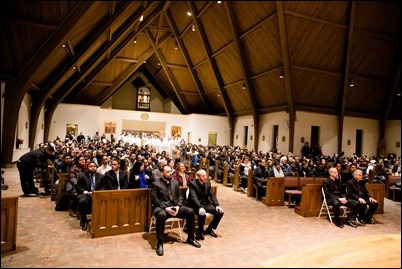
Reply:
x=87 y=182
x=167 y=202
x=202 y=199
x=336 y=197
x=358 y=193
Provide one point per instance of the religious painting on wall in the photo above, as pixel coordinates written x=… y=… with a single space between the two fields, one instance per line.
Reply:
x=72 y=128
x=110 y=127
x=176 y=131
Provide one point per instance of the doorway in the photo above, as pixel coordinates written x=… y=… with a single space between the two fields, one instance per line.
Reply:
x=275 y=138
x=245 y=135
x=359 y=140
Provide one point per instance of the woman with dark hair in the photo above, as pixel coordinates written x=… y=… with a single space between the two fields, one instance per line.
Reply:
x=138 y=177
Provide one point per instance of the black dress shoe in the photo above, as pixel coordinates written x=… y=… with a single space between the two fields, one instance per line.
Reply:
x=371 y=221
x=159 y=250
x=193 y=242
x=84 y=226
x=211 y=233
x=360 y=223
x=200 y=236
x=339 y=224
x=352 y=223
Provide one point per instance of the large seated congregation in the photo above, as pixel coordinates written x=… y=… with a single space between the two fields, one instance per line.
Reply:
x=271 y=177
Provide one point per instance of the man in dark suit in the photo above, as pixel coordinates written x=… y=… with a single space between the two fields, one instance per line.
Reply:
x=167 y=202
x=116 y=179
x=88 y=182
x=336 y=197
x=202 y=199
x=359 y=193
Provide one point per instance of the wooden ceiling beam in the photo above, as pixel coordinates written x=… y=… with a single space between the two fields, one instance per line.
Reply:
x=287 y=66
x=346 y=82
x=169 y=75
x=186 y=57
x=205 y=47
x=246 y=75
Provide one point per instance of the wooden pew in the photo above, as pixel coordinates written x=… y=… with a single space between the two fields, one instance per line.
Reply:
x=216 y=171
x=292 y=188
x=120 y=212
x=9 y=220
x=123 y=211
x=275 y=194
x=63 y=179
x=250 y=184
x=390 y=180
x=377 y=191
x=319 y=180
x=50 y=173
x=311 y=201
x=236 y=178
x=225 y=177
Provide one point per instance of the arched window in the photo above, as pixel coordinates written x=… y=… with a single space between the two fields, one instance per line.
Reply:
x=143 y=99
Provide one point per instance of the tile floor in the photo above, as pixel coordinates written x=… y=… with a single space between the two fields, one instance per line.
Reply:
x=250 y=234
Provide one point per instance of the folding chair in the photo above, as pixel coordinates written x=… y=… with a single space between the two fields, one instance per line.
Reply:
x=327 y=209
x=169 y=224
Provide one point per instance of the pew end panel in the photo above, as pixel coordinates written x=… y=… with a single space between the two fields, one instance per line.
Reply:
x=120 y=212
x=9 y=219
x=377 y=191
x=311 y=201
x=275 y=194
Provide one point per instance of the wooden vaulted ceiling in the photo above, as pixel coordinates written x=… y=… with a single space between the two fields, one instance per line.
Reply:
x=228 y=59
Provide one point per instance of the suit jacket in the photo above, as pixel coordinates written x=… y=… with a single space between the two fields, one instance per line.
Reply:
x=166 y=193
x=201 y=195
x=333 y=189
x=84 y=182
x=111 y=180
x=356 y=191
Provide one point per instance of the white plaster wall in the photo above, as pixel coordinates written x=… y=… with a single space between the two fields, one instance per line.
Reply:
x=392 y=136
x=370 y=139
x=87 y=118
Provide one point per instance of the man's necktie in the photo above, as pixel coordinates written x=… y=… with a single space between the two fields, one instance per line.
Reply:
x=93 y=183
x=118 y=181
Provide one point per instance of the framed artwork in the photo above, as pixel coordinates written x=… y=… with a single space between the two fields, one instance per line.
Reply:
x=71 y=127
x=110 y=127
x=176 y=131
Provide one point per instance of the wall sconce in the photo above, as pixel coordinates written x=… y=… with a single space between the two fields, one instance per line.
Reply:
x=398 y=144
x=199 y=139
x=237 y=137
x=251 y=137
x=26 y=125
x=263 y=138
x=41 y=126
x=283 y=138
x=302 y=139
x=349 y=142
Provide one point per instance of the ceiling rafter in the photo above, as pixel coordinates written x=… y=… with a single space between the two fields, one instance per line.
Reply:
x=18 y=87
x=51 y=85
x=388 y=103
x=99 y=63
x=249 y=86
x=287 y=66
x=187 y=60
x=346 y=81
x=129 y=72
x=98 y=60
x=225 y=98
x=169 y=75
